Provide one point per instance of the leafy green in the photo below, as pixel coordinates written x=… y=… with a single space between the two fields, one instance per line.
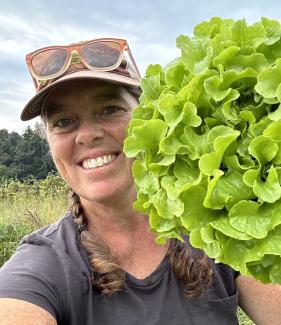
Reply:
x=207 y=145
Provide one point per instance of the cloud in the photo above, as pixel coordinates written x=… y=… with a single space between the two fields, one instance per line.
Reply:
x=150 y=26
x=13 y=123
x=14 y=94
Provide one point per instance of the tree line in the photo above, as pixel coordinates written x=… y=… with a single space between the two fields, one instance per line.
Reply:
x=24 y=155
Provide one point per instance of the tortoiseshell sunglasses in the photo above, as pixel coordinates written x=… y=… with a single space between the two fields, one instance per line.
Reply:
x=104 y=54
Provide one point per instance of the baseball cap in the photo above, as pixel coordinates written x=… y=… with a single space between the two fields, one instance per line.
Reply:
x=124 y=73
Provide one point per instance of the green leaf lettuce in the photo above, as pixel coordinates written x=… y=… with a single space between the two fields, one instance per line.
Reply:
x=206 y=139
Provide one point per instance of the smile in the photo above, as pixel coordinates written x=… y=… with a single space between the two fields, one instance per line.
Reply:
x=98 y=162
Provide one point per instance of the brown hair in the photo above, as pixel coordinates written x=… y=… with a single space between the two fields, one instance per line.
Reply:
x=191 y=267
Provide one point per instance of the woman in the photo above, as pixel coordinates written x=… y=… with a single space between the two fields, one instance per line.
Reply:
x=100 y=264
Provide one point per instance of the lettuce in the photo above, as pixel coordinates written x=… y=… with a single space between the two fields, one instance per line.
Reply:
x=206 y=139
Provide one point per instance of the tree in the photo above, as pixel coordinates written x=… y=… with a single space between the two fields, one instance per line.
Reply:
x=4 y=172
x=24 y=155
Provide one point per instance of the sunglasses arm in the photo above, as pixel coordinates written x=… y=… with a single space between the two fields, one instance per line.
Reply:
x=133 y=61
x=36 y=83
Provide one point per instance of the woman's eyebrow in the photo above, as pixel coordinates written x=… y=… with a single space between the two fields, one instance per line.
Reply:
x=107 y=97
x=54 y=109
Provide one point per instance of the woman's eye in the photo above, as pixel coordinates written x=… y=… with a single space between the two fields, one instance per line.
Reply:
x=111 y=110
x=64 y=122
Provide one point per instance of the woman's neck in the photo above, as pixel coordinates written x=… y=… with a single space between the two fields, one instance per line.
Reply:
x=126 y=232
x=128 y=236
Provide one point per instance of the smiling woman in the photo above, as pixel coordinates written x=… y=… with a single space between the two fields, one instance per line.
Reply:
x=100 y=264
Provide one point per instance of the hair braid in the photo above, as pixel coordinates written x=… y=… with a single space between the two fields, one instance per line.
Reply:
x=192 y=267
x=108 y=276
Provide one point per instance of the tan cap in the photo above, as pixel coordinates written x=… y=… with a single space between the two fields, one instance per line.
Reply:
x=124 y=75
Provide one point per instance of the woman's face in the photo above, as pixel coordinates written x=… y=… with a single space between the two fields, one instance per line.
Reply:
x=86 y=126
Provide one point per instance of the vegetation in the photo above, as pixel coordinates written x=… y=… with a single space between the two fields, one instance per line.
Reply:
x=211 y=166
x=243 y=318
x=28 y=205
x=17 y=153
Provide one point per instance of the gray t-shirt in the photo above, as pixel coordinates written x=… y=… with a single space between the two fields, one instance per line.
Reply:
x=51 y=270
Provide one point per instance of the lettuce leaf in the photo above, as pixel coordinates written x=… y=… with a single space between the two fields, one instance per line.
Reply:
x=207 y=145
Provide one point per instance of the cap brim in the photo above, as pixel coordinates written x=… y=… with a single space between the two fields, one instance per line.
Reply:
x=34 y=106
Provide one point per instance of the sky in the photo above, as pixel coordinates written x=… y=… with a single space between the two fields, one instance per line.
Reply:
x=150 y=26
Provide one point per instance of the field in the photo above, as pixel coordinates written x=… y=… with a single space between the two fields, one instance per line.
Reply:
x=26 y=206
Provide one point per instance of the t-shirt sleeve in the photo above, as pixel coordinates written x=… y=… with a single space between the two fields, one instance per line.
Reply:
x=32 y=274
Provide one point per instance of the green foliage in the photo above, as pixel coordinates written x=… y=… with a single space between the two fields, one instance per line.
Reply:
x=243 y=318
x=211 y=165
x=28 y=205
x=23 y=156
x=52 y=186
x=4 y=171
x=10 y=236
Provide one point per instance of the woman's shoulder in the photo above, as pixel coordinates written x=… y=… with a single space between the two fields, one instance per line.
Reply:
x=59 y=241
x=43 y=266
x=60 y=233
x=50 y=231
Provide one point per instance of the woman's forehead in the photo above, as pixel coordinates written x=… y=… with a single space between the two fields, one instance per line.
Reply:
x=77 y=87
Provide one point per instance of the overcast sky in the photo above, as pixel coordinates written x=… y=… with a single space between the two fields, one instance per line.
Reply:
x=150 y=26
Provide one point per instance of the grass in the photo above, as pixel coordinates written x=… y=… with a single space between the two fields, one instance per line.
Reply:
x=243 y=318
x=35 y=211
x=26 y=206
x=31 y=201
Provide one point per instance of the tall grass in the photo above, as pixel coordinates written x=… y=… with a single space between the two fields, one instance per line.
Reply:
x=31 y=204
x=26 y=206
x=43 y=201
x=243 y=318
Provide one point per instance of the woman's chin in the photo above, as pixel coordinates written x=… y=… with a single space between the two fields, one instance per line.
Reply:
x=107 y=193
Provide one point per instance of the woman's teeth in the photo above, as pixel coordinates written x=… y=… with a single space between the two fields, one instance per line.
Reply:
x=98 y=162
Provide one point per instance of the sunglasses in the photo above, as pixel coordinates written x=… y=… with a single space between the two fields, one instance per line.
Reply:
x=103 y=54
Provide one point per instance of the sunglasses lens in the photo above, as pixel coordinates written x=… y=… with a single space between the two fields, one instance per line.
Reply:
x=49 y=62
x=102 y=54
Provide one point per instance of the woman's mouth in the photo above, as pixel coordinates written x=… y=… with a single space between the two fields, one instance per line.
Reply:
x=100 y=161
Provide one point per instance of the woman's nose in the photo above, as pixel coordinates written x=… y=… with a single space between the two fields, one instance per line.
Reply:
x=89 y=133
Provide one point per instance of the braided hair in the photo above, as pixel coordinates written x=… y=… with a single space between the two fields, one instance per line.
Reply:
x=107 y=275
